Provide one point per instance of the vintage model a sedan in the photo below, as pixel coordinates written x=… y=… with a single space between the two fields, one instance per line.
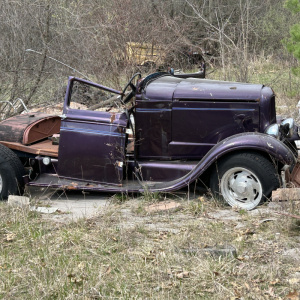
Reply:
x=171 y=131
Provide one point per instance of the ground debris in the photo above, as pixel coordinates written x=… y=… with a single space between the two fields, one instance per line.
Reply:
x=44 y=210
x=227 y=214
x=162 y=206
x=292 y=254
x=14 y=200
x=294 y=295
x=285 y=194
x=216 y=252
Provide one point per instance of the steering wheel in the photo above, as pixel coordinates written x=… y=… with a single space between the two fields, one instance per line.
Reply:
x=133 y=89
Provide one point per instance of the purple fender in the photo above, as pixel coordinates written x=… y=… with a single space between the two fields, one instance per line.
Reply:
x=244 y=141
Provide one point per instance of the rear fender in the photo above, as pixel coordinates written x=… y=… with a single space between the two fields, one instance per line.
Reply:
x=246 y=141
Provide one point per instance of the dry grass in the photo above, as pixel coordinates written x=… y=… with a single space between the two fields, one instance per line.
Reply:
x=126 y=253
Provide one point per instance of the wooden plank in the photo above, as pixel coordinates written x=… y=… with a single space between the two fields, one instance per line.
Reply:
x=295 y=176
x=43 y=148
x=285 y=194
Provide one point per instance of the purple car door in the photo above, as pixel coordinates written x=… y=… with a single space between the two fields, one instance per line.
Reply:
x=92 y=143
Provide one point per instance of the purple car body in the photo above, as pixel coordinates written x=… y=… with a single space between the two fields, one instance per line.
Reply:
x=183 y=130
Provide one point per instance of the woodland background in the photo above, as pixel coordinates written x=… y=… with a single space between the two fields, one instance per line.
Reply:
x=235 y=37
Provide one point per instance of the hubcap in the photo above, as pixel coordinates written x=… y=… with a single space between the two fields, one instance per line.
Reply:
x=241 y=187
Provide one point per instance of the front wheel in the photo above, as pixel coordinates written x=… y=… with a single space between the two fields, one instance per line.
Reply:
x=244 y=180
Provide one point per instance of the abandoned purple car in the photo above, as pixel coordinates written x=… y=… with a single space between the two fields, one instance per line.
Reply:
x=171 y=131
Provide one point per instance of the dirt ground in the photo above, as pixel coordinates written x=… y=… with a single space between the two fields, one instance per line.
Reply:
x=78 y=245
x=69 y=206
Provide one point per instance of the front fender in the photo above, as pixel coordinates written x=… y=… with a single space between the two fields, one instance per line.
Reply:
x=252 y=141
x=244 y=141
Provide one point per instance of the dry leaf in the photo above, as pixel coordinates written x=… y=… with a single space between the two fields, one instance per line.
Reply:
x=182 y=275
x=270 y=292
x=248 y=231
x=10 y=237
x=202 y=199
x=81 y=266
x=76 y=280
x=274 y=281
x=239 y=238
x=237 y=293
x=107 y=272
x=179 y=275
x=294 y=295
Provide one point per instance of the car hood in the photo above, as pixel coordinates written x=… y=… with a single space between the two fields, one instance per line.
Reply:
x=169 y=87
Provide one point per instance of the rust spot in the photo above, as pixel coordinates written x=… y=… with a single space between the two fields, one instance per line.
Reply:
x=89 y=185
x=28 y=129
x=112 y=117
x=71 y=187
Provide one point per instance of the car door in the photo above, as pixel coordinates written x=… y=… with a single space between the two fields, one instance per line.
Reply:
x=92 y=143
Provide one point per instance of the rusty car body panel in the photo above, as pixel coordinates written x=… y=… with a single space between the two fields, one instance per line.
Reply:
x=29 y=128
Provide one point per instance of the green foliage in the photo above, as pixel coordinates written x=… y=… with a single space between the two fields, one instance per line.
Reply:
x=293 y=42
x=293 y=5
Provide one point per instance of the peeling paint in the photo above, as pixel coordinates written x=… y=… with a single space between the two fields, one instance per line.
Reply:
x=112 y=117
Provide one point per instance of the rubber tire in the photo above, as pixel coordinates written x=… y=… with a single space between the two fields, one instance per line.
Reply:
x=11 y=172
x=257 y=164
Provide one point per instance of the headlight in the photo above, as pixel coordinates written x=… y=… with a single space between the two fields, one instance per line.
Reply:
x=287 y=126
x=273 y=130
x=46 y=160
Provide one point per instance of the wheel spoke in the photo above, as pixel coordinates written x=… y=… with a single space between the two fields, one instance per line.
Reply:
x=231 y=182
x=255 y=185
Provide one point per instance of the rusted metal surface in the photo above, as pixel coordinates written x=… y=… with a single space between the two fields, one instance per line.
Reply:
x=41 y=129
x=29 y=128
x=42 y=148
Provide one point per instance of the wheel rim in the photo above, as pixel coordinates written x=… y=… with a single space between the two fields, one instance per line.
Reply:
x=1 y=183
x=241 y=187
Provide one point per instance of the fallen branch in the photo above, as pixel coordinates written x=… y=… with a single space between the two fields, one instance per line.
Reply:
x=288 y=215
x=106 y=102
